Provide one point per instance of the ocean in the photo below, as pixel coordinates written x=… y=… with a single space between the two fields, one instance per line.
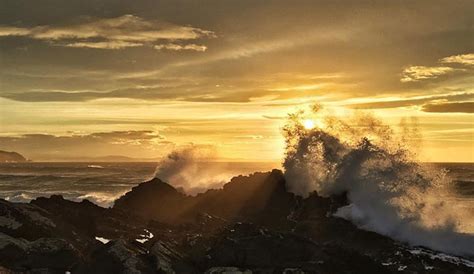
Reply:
x=101 y=183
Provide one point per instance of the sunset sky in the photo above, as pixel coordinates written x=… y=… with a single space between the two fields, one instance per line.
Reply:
x=141 y=78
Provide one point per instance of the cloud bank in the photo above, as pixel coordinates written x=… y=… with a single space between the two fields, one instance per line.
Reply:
x=113 y=33
x=140 y=143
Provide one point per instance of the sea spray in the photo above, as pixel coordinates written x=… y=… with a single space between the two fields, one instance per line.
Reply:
x=190 y=169
x=390 y=193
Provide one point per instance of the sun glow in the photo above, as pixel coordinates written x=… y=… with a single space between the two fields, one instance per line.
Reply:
x=308 y=124
x=311 y=124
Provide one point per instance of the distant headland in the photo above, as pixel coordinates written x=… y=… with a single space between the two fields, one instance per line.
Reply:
x=11 y=157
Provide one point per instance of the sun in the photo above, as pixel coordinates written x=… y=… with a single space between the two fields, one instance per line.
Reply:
x=308 y=124
x=311 y=124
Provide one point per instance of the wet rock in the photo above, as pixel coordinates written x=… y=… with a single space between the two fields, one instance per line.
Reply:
x=169 y=260
x=117 y=256
x=51 y=253
x=251 y=225
x=48 y=253
x=25 y=220
x=82 y=215
x=227 y=270
x=12 y=250
x=260 y=197
x=155 y=200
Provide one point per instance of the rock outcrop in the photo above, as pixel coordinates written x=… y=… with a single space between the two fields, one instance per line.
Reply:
x=259 y=197
x=251 y=225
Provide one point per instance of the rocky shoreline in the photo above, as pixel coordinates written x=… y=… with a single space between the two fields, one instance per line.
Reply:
x=252 y=225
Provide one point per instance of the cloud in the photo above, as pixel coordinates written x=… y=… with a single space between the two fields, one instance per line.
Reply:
x=413 y=101
x=135 y=143
x=465 y=59
x=126 y=137
x=13 y=31
x=190 y=92
x=177 y=47
x=54 y=96
x=104 y=45
x=417 y=73
x=459 y=107
x=110 y=33
x=271 y=117
x=251 y=136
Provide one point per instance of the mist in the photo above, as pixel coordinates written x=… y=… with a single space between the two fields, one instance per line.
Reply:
x=189 y=169
x=389 y=191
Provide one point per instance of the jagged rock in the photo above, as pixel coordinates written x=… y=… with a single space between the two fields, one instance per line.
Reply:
x=11 y=249
x=117 y=256
x=169 y=260
x=164 y=257
x=25 y=220
x=86 y=220
x=50 y=218
x=80 y=214
x=227 y=270
x=257 y=248
x=4 y=270
x=49 y=253
x=154 y=200
x=252 y=224
x=260 y=197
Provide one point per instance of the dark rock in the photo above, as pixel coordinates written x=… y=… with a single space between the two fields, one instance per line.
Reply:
x=81 y=215
x=118 y=256
x=229 y=269
x=25 y=221
x=49 y=253
x=256 y=248
x=259 y=197
x=252 y=224
x=155 y=200
x=168 y=260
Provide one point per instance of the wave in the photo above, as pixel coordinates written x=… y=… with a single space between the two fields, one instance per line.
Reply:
x=390 y=193
x=95 y=166
x=100 y=198
x=189 y=170
x=104 y=199
x=19 y=197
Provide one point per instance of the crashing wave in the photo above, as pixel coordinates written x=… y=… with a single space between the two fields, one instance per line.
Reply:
x=390 y=193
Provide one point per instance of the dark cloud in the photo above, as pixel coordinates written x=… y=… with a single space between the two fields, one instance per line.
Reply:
x=254 y=40
x=464 y=107
x=189 y=93
x=413 y=102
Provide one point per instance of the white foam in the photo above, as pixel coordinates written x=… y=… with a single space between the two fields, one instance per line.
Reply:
x=390 y=193
x=145 y=237
x=102 y=240
x=95 y=166
x=442 y=256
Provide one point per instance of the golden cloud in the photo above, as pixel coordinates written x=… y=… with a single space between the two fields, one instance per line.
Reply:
x=465 y=59
x=112 y=33
x=417 y=73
